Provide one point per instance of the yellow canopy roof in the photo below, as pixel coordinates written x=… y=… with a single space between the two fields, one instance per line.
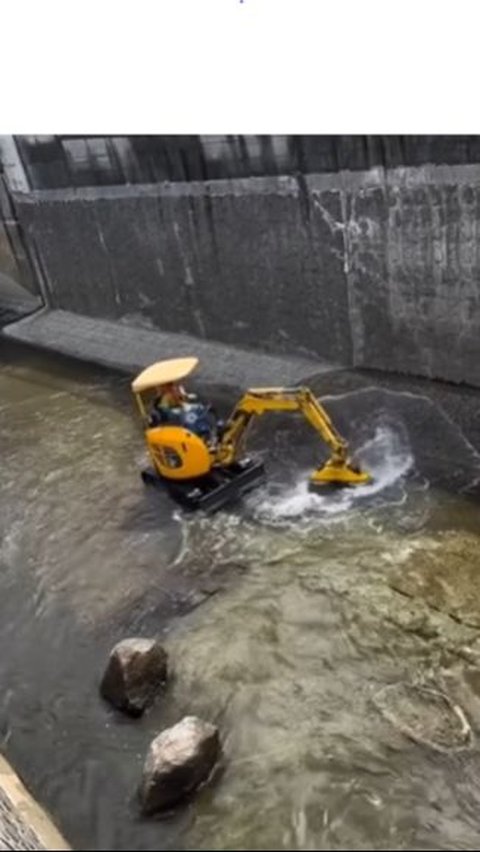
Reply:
x=164 y=372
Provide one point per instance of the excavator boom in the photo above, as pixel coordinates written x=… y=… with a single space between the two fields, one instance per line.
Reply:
x=257 y=401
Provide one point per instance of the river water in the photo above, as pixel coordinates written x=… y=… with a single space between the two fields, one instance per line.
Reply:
x=284 y=617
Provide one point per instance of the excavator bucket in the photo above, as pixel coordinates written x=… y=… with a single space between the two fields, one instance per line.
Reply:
x=339 y=474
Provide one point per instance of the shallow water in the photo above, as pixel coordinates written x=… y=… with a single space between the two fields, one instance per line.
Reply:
x=299 y=628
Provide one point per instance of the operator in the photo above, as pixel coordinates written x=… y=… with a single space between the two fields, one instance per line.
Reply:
x=169 y=403
x=173 y=405
x=172 y=395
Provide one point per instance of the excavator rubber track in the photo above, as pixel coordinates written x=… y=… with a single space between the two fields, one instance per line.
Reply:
x=215 y=490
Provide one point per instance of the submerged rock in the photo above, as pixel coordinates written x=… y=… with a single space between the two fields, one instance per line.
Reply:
x=426 y=716
x=136 y=670
x=178 y=761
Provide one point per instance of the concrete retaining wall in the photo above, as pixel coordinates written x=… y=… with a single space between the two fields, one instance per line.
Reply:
x=375 y=269
x=23 y=823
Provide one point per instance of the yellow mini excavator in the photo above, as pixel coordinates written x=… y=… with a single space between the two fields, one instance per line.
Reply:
x=200 y=460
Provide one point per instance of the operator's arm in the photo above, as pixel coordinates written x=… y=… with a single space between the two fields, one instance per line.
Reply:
x=187 y=397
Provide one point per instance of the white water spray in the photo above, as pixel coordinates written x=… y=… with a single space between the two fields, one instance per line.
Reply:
x=386 y=456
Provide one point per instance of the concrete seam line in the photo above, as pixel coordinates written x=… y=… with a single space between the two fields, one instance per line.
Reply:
x=29 y=810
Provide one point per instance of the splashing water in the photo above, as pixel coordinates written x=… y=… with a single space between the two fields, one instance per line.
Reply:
x=386 y=456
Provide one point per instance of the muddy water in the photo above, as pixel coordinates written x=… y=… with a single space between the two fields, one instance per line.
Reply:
x=283 y=618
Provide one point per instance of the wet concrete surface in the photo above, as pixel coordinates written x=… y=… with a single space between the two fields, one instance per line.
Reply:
x=133 y=344
x=281 y=615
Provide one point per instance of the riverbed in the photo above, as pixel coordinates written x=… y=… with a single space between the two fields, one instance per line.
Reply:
x=284 y=616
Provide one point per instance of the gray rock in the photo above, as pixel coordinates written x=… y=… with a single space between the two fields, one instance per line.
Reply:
x=136 y=670
x=178 y=761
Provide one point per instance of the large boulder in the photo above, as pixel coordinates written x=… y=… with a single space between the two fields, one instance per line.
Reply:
x=136 y=671
x=178 y=761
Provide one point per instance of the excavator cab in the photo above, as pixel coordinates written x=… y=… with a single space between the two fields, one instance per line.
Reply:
x=207 y=467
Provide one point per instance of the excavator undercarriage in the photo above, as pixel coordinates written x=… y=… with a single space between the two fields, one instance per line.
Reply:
x=214 y=490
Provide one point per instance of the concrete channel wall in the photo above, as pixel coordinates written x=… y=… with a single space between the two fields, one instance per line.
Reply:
x=376 y=268
x=23 y=823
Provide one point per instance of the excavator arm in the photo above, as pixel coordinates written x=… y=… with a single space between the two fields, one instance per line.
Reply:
x=257 y=401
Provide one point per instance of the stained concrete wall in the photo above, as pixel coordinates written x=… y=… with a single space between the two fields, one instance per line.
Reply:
x=252 y=262
x=414 y=272
x=377 y=268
